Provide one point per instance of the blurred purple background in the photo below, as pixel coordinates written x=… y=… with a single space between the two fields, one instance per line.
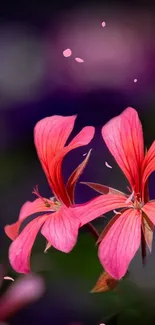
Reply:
x=36 y=80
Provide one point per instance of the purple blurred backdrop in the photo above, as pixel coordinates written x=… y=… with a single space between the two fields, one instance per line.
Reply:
x=36 y=80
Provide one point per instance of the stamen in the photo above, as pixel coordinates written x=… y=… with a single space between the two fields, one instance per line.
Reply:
x=129 y=199
x=48 y=245
x=57 y=204
x=47 y=204
x=36 y=192
x=129 y=189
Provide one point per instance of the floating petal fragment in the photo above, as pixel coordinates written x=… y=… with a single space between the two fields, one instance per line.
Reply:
x=103 y=24
x=116 y=212
x=79 y=60
x=67 y=53
x=8 y=278
x=107 y=165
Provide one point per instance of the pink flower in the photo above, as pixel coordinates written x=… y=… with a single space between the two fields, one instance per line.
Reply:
x=19 y=294
x=122 y=237
x=60 y=224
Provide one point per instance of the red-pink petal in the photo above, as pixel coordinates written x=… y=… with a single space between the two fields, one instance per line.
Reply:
x=148 y=165
x=109 y=225
x=121 y=243
x=13 y=230
x=103 y=189
x=96 y=207
x=28 y=209
x=123 y=136
x=20 y=249
x=147 y=227
x=23 y=291
x=149 y=209
x=61 y=229
x=70 y=187
x=81 y=139
x=50 y=136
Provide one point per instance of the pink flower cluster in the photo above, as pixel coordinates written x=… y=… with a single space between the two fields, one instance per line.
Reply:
x=62 y=218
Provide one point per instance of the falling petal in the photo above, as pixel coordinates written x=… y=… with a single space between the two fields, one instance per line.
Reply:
x=116 y=212
x=79 y=60
x=107 y=165
x=103 y=24
x=67 y=53
x=84 y=154
x=135 y=80
x=8 y=278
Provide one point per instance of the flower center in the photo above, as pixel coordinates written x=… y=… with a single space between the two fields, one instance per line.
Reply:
x=57 y=204
x=52 y=202
x=137 y=202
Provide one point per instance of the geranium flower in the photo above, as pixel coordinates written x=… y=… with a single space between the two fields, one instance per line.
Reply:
x=122 y=237
x=59 y=225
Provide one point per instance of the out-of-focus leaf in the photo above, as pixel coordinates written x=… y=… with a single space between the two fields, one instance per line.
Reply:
x=81 y=262
x=73 y=275
x=134 y=317
x=105 y=283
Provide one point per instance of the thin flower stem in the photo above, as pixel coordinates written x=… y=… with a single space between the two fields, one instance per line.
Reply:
x=93 y=230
